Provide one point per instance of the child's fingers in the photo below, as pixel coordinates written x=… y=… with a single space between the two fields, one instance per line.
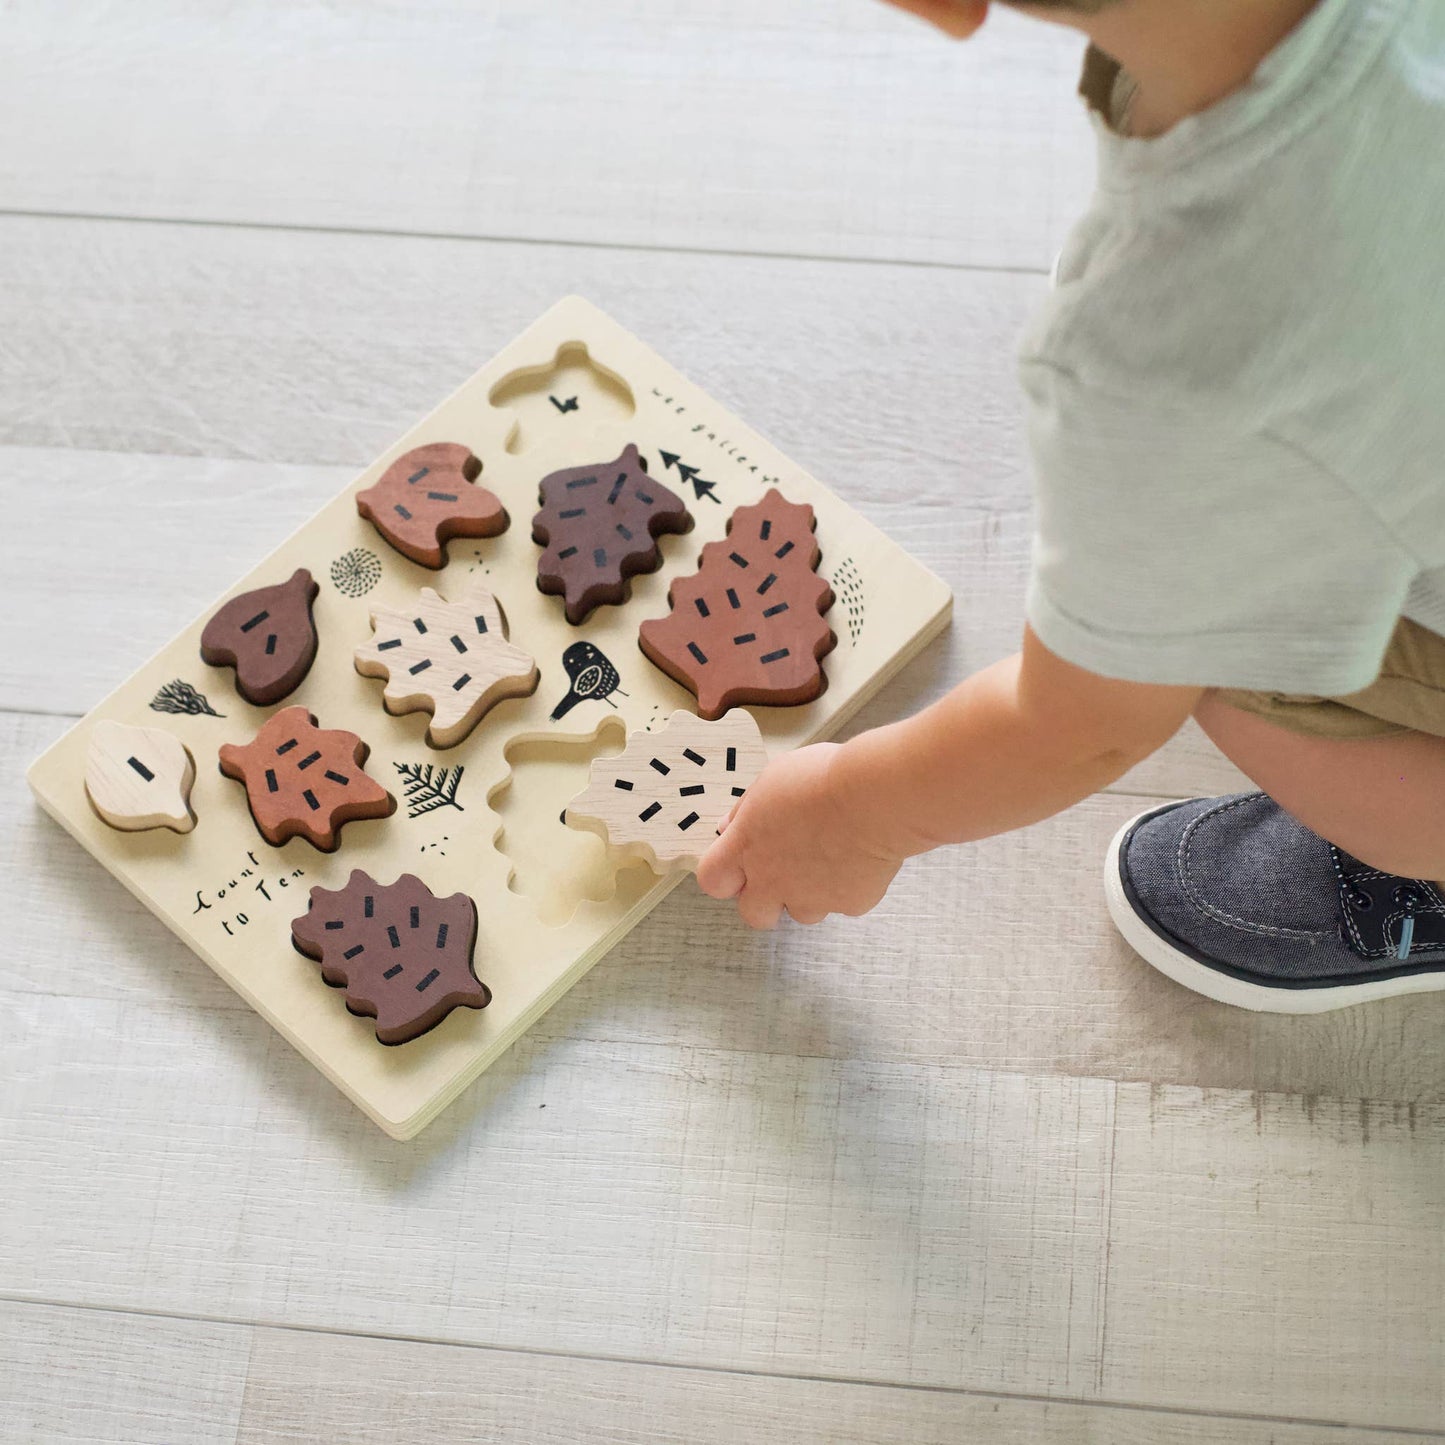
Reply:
x=757 y=909
x=720 y=874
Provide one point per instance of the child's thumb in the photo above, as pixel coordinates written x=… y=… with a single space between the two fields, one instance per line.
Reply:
x=720 y=874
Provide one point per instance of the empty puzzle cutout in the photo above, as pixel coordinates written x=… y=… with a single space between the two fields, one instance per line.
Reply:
x=139 y=778
x=268 y=635
x=451 y=659
x=304 y=781
x=403 y=955
x=571 y=388
x=748 y=626
x=554 y=867
x=427 y=496
x=663 y=797
x=598 y=527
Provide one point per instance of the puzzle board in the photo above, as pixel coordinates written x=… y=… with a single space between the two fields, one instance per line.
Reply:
x=485 y=820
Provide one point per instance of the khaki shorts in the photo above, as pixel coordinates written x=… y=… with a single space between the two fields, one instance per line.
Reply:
x=1407 y=696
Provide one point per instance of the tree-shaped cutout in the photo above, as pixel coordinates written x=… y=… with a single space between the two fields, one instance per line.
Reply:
x=748 y=626
x=428 y=495
x=663 y=796
x=598 y=526
x=403 y=955
x=305 y=781
x=451 y=659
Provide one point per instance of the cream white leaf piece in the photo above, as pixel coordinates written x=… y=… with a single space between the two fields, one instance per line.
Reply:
x=139 y=778
x=451 y=659
x=663 y=796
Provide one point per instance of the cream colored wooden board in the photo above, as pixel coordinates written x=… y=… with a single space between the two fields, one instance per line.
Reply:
x=94 y=1377
x=928 y=1225
x=199 y=514
x=305 y=1387
x=814 y=127
x=891 y=382
x=1286 y=1255
x=1049 y=989
x=232 y=898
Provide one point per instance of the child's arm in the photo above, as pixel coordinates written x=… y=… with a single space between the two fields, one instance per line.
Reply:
x=824 y=829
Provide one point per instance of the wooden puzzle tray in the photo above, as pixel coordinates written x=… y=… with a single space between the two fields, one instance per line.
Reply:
x=483 y=816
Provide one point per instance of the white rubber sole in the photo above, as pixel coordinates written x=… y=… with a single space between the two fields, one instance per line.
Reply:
x=1260 y=998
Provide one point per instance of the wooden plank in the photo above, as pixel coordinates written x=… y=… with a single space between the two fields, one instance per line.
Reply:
x=304 y=1387
x=1278 y=1254
x=802 y=1216
x=996 y=956
x=782 y=126
x=69 y=1375
x=272 y=346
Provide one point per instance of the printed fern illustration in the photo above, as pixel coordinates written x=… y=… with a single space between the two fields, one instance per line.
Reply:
x=427 y=787
x=180 y=697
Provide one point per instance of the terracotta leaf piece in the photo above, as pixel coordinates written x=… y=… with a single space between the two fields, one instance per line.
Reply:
x=662 y=797
x=747 y=627
x=268 y=636
x=403 y=955
x=599 y=526
x=139 y=778
x=451 y=659
x=427 y=496
x=305 y=781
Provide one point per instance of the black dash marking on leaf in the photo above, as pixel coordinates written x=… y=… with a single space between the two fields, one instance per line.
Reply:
x=767 y=528
x=442 y=936
x=733 y=599
x=692 y=791
x=623 y=783
x=776 y=608
x=307 y=761
x=581 y=482
x=650 y=812
x=402 y=512
x=421 y=666
x=740 y=560
x=256 y=621
x=338 y=777
x=336 y=924
x=458 y=643
x=311 y=800
x=732 y=762
x=387 y=646
x=354 y=950
x=701 y=607
x=777 y=656
x=141 y=768
x=693 y=757
x=430 y=979
x=617 y=487
x=738 y=792
x=565 y=553
x=481 y=623
x=643 y=497
x=743 y=637
x=415 y=917
x=415 y=477
x=661 y=766
x=393 y=935
x=767 y=582
x=418 y=624
x=783 y=550
x=599 y=556
x=624 y=532
x=570 y=513
x=441 y=496
x=286 y=747
x=687 y=822
x=697 y=652
x=271 y=784
x=271 y=645
x=368 y=907
x=461 y=682
x=392 y=971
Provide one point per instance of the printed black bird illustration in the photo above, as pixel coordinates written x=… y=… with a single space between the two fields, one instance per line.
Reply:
x=592 y=675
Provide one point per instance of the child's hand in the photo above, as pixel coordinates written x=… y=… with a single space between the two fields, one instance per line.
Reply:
x=793 y=843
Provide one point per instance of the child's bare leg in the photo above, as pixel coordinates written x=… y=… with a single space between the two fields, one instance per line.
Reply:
x=1381 y=799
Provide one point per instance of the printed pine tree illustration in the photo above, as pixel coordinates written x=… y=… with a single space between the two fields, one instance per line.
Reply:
x=748 y=626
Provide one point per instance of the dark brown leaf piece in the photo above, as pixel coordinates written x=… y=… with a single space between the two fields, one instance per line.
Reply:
x=268 y=636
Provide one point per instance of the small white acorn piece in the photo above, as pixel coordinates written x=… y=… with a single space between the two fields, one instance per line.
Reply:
x=663 y=796
x=139 y=778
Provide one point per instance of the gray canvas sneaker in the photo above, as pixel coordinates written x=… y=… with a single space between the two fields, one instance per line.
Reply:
x=1235 y=899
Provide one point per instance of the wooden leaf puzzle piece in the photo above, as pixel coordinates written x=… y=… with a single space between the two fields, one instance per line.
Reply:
x=747 y=627
x=451 y=659
x=139 y=778
x=598 y=527
x=428 y=495
x=662 y=798
x=403 y=955
x=305 y=781
x=268 y=636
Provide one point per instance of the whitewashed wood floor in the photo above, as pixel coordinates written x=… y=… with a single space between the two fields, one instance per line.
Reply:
x=963 y=1171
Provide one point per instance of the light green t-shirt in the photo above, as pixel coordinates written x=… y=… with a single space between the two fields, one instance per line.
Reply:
x=1237 y=386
